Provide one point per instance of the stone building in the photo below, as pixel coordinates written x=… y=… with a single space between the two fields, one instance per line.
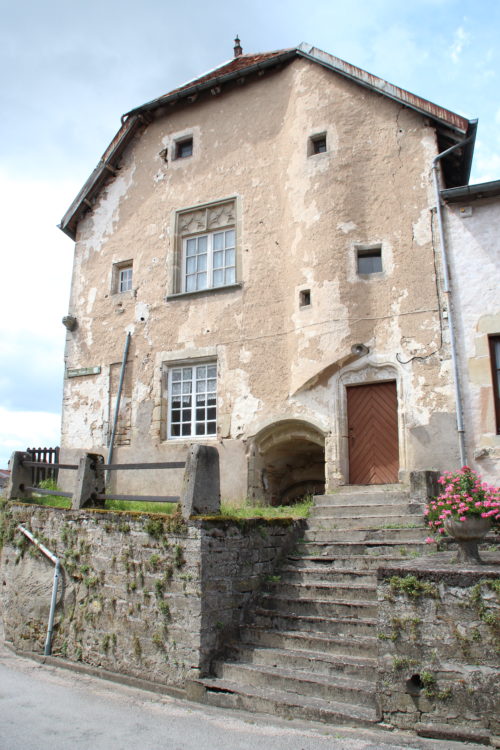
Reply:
x=472 y=224
x=266 y=234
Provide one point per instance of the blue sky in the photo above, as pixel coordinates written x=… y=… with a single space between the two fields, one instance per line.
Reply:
x=69 y=70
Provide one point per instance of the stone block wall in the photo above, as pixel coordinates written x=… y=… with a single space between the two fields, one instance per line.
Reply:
x=439 y=646
x=237 y=558
x=145 y=595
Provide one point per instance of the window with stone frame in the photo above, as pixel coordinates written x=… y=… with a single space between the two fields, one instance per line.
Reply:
x=122 y=277
x=206 y=247
x=192 y=400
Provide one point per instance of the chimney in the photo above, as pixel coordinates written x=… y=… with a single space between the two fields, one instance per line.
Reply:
x=237 y=48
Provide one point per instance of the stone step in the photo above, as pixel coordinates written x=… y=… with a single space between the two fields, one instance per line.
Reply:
x=328 y=574
x=363 y=498
x=269 y=618
x=401 y=534
x=228 y=694
x=379 y=547
x=347 y=512
x=367 y=562
x=310 y=662
x=324 y=590
x=321 y=643
x=318 y=607
x=336 y=687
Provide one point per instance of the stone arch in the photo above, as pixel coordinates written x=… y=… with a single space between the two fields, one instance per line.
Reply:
x=287 y=461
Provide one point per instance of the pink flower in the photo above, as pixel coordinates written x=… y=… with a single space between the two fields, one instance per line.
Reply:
x=430 y=540
x=462 y=518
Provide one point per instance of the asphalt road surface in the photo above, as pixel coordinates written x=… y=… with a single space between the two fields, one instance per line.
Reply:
x=48 y=708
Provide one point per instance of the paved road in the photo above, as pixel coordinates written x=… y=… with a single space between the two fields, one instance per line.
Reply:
x=48 y=708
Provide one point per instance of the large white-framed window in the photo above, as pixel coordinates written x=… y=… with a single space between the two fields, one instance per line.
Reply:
x=192 y=400
x=209 y=260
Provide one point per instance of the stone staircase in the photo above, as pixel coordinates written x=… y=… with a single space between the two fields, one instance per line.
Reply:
x=310 y=650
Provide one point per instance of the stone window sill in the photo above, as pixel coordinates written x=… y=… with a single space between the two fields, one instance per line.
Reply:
x=200 y=292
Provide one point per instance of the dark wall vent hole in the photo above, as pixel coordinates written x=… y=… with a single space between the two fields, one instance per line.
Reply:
x=414 y=685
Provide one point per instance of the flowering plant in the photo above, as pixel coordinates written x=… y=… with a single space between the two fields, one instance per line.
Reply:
x=463 y=496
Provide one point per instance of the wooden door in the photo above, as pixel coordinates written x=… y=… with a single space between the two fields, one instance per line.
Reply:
x=372 y=416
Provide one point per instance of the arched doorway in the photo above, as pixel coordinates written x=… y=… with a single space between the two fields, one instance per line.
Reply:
x=287 y=462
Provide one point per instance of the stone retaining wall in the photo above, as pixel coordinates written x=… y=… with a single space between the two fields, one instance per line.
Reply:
x=149 y=596
x=439 y=645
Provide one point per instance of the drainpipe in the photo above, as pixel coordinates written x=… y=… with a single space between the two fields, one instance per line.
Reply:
x=447 y=291
x=117 y=406
x=50 y=627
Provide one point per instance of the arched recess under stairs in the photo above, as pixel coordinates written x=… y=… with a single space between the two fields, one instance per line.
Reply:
x=288 y=462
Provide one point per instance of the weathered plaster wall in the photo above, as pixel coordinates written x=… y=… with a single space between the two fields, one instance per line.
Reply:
x=439 y=645
x=299 y=219
x=473 y=230
x=141 y=595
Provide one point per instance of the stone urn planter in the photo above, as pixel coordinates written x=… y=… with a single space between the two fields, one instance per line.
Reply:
x=468 y=534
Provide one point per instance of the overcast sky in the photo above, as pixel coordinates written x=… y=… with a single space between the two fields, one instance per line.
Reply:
x=69 y=70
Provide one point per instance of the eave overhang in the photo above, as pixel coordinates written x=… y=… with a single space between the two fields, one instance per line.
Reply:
x=468 y=193
x=451 y=128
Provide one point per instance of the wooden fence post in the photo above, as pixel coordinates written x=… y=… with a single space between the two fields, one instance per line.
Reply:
x=201 y=486
x=20 y=477
x=89 y=482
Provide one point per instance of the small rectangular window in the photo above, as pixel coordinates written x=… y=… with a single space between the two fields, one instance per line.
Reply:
x=369 y=260
x=305 y=298
x=192 y=400
x=184 y=148
x=125 y=279
x=316 y=144
x=495 y=375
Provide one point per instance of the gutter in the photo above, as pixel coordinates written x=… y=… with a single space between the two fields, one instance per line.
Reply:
x=50 y=555
x=447 y=291
x=471 y=192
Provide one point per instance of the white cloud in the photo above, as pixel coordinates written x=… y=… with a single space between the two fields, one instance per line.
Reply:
x=461 y=40
x=486 y=161
x=22 y=429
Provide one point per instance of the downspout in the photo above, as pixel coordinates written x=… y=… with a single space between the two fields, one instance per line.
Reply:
x=447 y=291
x=50 y=627
x=117 y=406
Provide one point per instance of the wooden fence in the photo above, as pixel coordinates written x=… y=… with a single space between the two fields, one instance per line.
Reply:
x=200 y=488
x=44 y=456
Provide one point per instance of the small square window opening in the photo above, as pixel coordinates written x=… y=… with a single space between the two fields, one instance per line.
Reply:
x=305 y=298
x=184 y=148
x=317 y=144
x=369 y=260
x=125 y=279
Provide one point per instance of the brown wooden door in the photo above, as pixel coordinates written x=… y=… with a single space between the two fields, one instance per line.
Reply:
x=372 y=416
